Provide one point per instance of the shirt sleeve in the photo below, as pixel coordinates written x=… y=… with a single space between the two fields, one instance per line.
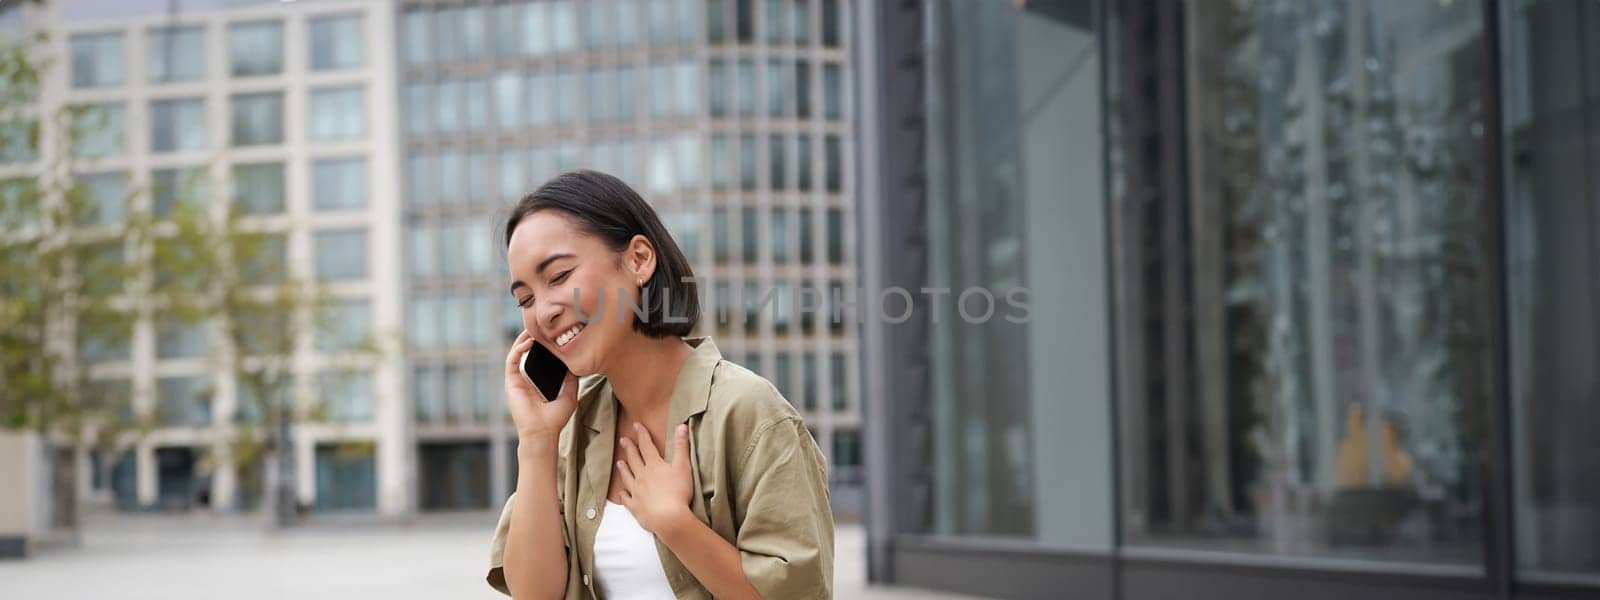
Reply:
x=785 y=533
x=497 y=546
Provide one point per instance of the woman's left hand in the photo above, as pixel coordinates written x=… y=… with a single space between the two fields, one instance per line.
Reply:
x=655 y=490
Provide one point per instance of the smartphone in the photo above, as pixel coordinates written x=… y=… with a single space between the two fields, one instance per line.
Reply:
x=546 y=372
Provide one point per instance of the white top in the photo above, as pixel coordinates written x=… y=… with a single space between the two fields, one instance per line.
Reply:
x=625 y=558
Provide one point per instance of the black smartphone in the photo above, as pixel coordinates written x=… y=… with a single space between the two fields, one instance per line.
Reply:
x=544 y=370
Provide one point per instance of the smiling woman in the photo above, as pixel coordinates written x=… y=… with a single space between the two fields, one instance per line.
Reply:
x=661 y=434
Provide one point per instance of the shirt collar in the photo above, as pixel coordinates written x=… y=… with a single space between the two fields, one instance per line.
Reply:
x=690 y=391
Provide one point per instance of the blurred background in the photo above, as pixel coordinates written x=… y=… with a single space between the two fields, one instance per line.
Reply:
x=1312 y=285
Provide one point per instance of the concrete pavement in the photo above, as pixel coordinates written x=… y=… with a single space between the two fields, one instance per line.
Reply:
x=157 y=557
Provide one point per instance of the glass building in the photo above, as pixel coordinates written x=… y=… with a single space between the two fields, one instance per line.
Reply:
x=731 y=117
x=1310 y=291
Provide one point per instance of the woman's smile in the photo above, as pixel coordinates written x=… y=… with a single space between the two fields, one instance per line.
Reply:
x=564 y=341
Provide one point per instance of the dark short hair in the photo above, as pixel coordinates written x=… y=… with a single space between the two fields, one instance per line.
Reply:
x=609 y=209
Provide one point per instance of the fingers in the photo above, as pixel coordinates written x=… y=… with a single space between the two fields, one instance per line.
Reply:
x=647 y=448
x=680 y=446
x=569 y=388
x=514 y=356
x=625 y=473
x=630 y=454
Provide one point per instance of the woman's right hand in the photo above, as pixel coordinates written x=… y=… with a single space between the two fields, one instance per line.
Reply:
x=534 y=417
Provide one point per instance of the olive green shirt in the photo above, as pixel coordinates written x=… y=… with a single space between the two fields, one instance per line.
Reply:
x=762 y=481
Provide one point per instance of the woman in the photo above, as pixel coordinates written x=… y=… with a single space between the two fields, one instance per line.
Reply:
x=666 y=471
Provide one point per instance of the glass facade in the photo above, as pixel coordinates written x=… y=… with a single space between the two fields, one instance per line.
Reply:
x=176 y=54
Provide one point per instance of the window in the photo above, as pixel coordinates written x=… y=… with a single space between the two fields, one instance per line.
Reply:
x=845 y=463
x=177 y=125
x=775 y=15
x=684 y=224
x=109 y=343
x=802 y=22
x=744 y=20
x=425 y=393
x=338 y=114
x=838 y=381
x=419 y=108
x=256 y=48
x=538 y=100
x=660 y=19
x=258 y=188
x=422 y=325
x=832 y=103
x=107 y=195
x=180 y=338
x=775 y=163
x=475 y=99
x=450 y=175
x=780 y=234
x=416 y=36
x=832 y=164
x=257 y=119
x=627 y=23
x=830 y=23
x=627 y=92
x=688 y=91
x=448 y=35
x=97 y=130
x=745 y=74
x=802 y=162
x=716 y=28
x=601 y=99
x=686 y=149
x=564 y=20
x=782 y=374
x=747 y=162
x=507 y=29
x=472 y=38
x=508 y=100
x=169 y=187
x=19 y=141
x=720 y=238
x=661 y=92
x=721 y=163
x=183 y=401
x=835 y=236
x=341 y=254
x=536 y=38
x=510 y=172
x=688 y=19
x=802 y=89
x=421 y=250
x=777 y=78
x=566 y=101
x=347 y=477
x=102 y=267
x=807 y=251
x=808 y=383
x=782 y=307
x=717 y=87
x=750 y=248
x=345 y=325
x=265 y=260
x=96 y=59
x=599 y=23
x=339 y=183
x=336 y=42
x=175 y=54
x=754 y=305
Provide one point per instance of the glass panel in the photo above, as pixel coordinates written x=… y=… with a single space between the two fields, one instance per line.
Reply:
x=177 y=125
x=777 y=79
x=802 y=89
x=257 y=119
x=472 y=32
x=744 y=20
x=536 y=28
x=169 y=187
x=627 y=91
x=832 y=164
x=1330 y=398
x=716 y=31
x=717 y=87
x=802 y=164
x=341 y=254
x=183 y=401
x=1017 y=143
x=599 y=23
x=107 y=197
x=566 y=102
x=336 y=42
x=774 y=16
x=538 y=100
x=807 y=243
x=835 y=236
x=179 y=338
x=721 y=163
x=97 y=130
x=1553 y=129
x=779 y=234
x=776 y=163
x=747 y=162
x=339 y=183
x=802 y=22
x=745 y=75
x=345 y=325
x=508 y=100
x=720 y=238
x=338 y=114
x=447 y=103
x=256 y=48
x=258 y=188
x=347 y=477
x=176 y=54
x=808 y=381
x=564 y=21
x=96 y=59
x=832 y=95
x=830 y=20
x=750 y=249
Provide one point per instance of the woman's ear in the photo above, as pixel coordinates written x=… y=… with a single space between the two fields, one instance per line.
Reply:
x=640 y=258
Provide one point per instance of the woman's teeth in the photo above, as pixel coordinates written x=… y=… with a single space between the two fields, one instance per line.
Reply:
x=562 y=339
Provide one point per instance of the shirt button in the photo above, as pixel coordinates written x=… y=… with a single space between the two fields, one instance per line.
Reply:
x=589 y=514
x=585 y=580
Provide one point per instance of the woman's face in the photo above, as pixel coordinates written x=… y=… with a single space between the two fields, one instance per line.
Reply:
x=551 y=259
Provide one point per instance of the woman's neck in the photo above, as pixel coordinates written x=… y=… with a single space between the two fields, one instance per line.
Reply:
x=645 y=372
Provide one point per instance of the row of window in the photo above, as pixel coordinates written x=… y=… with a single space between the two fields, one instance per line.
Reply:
x=665 y=164
x=453 y=105
x=446 y=34
x=785 y=243
x=338 y=184
x=345 y=325
x=178 y=54
x=781 y=305
x=804 y=395
x=781 y=21
x=343 y=396
x=455 y=392
x=337 y=114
